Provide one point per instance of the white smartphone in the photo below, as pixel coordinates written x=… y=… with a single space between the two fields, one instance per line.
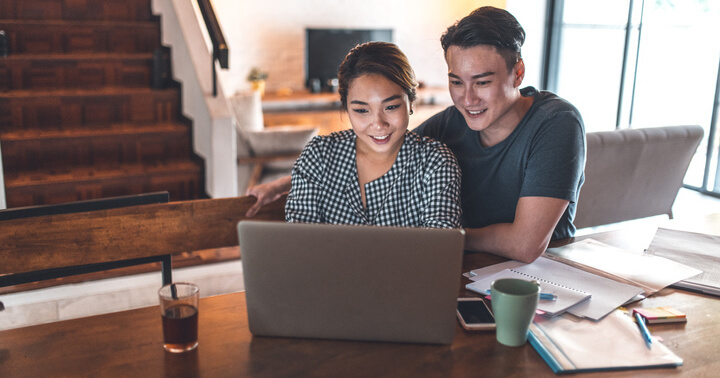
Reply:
x=474 y=314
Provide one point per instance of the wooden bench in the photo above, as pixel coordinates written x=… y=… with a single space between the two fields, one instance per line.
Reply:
x=82 y=240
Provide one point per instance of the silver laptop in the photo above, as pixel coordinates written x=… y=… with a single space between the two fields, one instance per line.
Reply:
x=351 y=282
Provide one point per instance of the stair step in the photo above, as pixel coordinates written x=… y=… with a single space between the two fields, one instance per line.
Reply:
x=78 y=119
x=81 y=183
x=52 y=37
x=74 y=108
x=54 y=71
x=114 y=146
x=138 y=10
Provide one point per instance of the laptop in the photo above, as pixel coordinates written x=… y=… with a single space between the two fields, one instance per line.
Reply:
x=367 y=283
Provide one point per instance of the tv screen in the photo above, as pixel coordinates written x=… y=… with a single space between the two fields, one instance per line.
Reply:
x=326 y=49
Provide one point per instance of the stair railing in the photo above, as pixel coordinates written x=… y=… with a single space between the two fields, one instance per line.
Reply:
x=220 y=47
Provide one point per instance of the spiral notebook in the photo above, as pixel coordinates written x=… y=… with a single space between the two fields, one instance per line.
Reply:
x=566 y=296
x=607 y=294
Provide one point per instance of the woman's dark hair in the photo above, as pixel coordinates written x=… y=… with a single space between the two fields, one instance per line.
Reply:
x=380 y=58
x=487 y=26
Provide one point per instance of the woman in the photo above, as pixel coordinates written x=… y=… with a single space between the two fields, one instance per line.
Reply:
x=377 y=173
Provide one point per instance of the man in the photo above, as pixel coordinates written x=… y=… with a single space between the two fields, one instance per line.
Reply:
x=521 y=151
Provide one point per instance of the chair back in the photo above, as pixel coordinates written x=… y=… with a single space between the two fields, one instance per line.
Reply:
x=634 y=173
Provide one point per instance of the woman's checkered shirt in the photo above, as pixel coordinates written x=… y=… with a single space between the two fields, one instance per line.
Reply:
x=422 y=188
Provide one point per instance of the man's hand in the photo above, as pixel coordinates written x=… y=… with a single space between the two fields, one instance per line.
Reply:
x=267 y=193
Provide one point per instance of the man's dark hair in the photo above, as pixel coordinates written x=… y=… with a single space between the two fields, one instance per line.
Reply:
x=487 y=26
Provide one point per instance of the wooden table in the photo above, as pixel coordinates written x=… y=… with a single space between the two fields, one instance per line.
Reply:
x=129 y=344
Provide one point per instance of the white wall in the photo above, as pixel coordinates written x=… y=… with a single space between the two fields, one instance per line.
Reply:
x=270 y=34
x=531 y=15
x=213 y=126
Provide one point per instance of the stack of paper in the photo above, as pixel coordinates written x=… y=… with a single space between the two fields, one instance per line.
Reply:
x=701 y=251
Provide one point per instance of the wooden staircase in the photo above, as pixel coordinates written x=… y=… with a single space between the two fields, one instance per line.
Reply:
x=78 y=117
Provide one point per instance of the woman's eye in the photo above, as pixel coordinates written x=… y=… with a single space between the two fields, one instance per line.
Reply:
x=361 y=111
x=392 y=107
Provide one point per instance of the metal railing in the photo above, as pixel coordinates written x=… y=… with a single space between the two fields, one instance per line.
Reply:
x=220 y=48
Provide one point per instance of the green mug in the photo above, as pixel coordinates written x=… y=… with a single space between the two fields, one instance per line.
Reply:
x=514 y=302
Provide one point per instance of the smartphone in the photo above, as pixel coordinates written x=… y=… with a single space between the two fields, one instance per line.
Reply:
x=474 y=314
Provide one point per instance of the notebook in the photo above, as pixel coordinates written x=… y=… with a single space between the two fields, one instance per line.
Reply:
x=566 y=296
x=606 y=294
x=351 y=282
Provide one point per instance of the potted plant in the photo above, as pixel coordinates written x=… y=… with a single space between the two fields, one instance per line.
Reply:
x=257 y=78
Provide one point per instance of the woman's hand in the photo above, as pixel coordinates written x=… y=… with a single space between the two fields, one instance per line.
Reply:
x=267 y=193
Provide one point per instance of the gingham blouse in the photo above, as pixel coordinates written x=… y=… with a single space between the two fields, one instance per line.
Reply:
x=421 y=189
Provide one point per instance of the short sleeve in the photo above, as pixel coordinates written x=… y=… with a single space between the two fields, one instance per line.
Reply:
x=557 y=159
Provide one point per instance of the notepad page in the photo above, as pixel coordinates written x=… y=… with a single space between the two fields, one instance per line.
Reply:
x=566 y=297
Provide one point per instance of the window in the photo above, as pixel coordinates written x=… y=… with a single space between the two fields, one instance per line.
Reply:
x=634 y=63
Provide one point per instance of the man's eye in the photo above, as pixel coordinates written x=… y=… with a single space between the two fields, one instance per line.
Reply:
x=455 y=82
x=392 y=107
x=483 y=83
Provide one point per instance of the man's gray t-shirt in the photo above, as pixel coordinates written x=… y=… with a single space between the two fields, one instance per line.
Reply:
x=543 y=157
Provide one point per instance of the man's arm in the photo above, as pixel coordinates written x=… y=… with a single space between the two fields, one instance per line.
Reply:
x=267 y=193
x=527 y=237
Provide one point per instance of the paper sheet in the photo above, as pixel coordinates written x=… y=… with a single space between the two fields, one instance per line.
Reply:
x=651 y=273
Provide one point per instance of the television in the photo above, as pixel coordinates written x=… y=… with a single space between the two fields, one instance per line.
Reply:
x=326 y=49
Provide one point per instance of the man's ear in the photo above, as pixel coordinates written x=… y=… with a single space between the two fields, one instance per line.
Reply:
x=519 y=71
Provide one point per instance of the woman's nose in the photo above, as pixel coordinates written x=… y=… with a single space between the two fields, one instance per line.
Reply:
x=379 y=120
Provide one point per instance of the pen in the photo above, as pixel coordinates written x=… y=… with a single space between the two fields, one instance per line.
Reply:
x=548 y=296
x=543 y=296
x=643 y=330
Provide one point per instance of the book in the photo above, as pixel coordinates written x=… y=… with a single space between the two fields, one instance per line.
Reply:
x=566 y=296
x=659 y=315
x=569 y=345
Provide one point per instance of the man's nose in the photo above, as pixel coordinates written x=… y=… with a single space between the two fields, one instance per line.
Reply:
x=469 y=97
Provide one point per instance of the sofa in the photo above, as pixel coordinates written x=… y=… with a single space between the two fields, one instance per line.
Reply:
x=634 y=173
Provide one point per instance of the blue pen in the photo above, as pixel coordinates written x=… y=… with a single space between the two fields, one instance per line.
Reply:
x=643 y=330
x=543 y=296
